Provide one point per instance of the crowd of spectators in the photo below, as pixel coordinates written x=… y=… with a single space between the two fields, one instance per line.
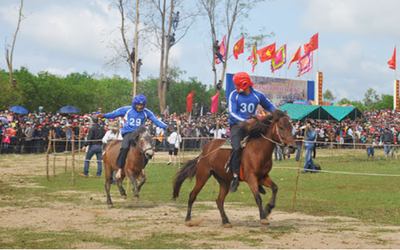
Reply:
x=30 y=133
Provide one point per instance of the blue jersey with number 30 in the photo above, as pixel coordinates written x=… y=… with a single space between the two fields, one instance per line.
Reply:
x=134 y=119
x=241 y=106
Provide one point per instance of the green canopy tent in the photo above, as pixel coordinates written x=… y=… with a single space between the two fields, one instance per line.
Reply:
x=339 y=113
x=300 y=111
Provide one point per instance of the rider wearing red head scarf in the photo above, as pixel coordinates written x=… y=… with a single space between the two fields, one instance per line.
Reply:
x=242 y=104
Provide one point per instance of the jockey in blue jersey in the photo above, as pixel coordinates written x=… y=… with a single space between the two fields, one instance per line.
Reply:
x=242 y=104
x=135 y=115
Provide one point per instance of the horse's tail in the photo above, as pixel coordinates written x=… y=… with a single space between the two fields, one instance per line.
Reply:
x=188 y=171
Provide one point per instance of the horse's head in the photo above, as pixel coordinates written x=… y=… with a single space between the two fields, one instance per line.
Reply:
x=141 y=138
x=282 y=131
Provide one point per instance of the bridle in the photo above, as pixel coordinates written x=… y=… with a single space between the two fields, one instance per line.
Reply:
x=281 y=143
x=140 y=149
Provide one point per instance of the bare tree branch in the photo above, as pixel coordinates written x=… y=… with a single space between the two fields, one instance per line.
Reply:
x=9 y=55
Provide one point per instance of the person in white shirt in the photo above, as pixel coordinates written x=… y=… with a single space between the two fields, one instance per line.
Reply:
x=112 y=133
x=174 y=141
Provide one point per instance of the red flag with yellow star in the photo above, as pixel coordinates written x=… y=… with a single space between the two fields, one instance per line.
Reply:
x=238 y=48
x=312 y=45
x=266 y=53
x=296 y=56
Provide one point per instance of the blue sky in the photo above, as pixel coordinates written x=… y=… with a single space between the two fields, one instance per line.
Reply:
x=356 y=39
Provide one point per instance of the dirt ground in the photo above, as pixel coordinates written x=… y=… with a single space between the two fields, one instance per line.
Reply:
x=305 y=231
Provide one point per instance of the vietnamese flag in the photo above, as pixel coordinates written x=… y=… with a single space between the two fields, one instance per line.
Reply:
x=266 y=53
x=312 y=45
x=214 y=104
x=392 y=61
x=189 y=101
x=296 y=56
x=238 y=48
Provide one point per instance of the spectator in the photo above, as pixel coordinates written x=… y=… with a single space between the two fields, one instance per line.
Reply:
x=217 y=47
x=95 y=137
x=175 y=20
x=171 y=40
x=369 y=141
x=138 y=66
x=175 y=140
x=166 y=111
x=387 y=140
x=309 y=146
x=132 y=57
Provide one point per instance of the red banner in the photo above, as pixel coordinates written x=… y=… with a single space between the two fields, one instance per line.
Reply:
x=320 y=81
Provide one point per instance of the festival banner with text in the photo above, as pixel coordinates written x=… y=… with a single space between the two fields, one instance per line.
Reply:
x=280 y=90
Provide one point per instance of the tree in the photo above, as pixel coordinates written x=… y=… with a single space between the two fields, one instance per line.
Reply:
x=10 y=54
x=126 y=11
x=386 y=102
x=160 y=20
x=371 y=98
x=328 y=96
x=233 y=11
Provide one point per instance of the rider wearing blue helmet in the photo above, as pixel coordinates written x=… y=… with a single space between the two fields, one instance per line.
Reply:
x=135 y=115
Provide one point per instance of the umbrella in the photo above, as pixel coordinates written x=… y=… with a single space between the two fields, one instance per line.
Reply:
x=19 y=110
x=4 y=120
x=312 y=102
x=69 y=109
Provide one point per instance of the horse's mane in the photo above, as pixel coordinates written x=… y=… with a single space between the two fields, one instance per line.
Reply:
x=257 y=126
x=135 y=135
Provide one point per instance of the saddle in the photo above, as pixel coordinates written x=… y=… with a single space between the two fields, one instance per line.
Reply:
x=228 y=145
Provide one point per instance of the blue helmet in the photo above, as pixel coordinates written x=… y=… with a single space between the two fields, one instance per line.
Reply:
x=139 y=99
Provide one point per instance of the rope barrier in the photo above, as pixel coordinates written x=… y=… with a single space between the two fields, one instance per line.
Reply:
x=341 y=172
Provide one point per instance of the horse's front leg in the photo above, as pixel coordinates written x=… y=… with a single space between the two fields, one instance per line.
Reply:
x=142 y=180
x=108 y=174
x=253 y=184
x=269 y=183
x=135 y=185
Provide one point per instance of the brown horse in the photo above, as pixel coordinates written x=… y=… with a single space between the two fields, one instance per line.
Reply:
x=139 y=153
x=256 y=163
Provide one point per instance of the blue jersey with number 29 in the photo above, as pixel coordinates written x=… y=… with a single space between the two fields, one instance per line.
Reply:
x=241 y=106
x=134 y=119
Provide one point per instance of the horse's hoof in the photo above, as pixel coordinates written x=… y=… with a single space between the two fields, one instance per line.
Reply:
x=136 y=198
x=227 y=225
x=264 y=222
x=193 y=223
x=123 y=196
x=110 y=205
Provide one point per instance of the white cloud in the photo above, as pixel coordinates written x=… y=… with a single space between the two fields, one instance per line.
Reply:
x=365 y=17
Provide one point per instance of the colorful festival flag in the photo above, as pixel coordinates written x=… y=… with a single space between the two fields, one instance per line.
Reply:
x=222 y=51
x=279 y=60
x=296 y=56
x=266 y=53
x=159 y=137
x=214 y=104
x=312 y=45
x=189 y=101
x=392 y=61
x=253 y=56
x=305 y=64
x=238 y=48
